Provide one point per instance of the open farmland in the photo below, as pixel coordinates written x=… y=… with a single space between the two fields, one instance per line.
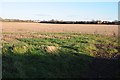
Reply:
x=35 y=50
x=19 y=27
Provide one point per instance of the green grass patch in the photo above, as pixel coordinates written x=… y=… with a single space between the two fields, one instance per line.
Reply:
x=57 y=57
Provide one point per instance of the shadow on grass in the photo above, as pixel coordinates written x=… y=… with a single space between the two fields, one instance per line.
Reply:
x=59 y=66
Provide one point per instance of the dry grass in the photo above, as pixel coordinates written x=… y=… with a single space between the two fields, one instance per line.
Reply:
x=51 y=49
x=16 y=27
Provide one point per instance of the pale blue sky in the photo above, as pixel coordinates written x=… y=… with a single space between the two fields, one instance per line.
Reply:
x=60 y=10
x=59 y=0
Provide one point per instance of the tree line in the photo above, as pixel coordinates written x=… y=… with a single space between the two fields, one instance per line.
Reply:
x=81 y=22
x=15 y=20
x=115 y=22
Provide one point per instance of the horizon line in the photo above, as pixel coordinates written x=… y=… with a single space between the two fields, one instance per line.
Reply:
x=59 y=19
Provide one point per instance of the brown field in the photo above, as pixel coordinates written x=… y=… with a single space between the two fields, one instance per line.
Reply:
x=22 y=27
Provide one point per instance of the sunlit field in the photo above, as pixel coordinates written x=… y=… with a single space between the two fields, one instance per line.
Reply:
x=22 y=27
x=35 y=50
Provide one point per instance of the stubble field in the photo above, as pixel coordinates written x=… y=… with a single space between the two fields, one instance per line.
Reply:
x=13 y=27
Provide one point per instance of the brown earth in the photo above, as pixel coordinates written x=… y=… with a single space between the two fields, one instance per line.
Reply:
x=22 y=27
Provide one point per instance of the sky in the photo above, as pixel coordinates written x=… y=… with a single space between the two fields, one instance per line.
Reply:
x=74 y=11
x=59 y=0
